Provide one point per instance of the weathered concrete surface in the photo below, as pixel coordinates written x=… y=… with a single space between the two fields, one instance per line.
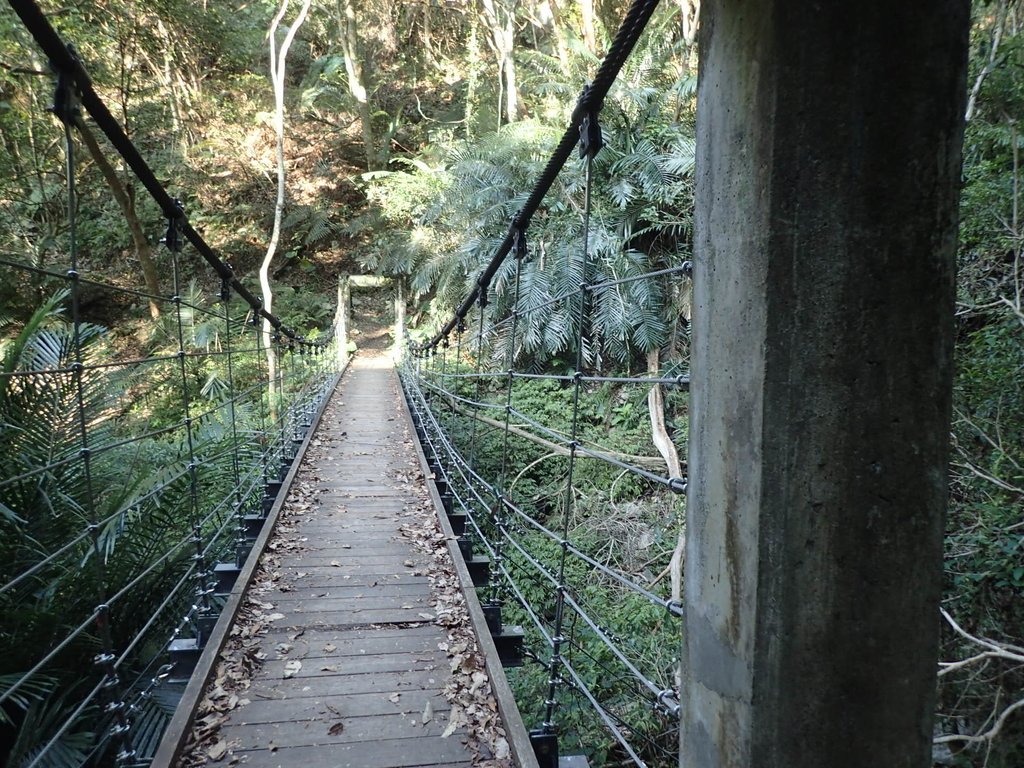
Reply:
x=829 y=142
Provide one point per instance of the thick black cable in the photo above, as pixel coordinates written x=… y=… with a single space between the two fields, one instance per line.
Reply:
x=590 y=102
x=66 y=63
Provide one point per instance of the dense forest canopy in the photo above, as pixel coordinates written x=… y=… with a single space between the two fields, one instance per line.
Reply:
x=412 y=132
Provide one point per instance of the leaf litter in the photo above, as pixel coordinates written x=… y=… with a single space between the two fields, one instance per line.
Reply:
x=473 y=709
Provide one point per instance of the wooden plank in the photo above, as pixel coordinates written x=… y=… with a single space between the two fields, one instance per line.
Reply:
x=318 y=601
x=359 y=641
x=305 y=685
x=348 y=706
x=333 y=578
x=342 y=560
x=390 y=753
x=331 y=729
x=343 y=587
x=295 y=564
x=334 y=666
x=353 y=618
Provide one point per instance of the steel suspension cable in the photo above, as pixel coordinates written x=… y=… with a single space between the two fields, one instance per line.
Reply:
x=590 y=132
x=590 y=102
x=519 y=250
x=66 y=110
x=203 y=591
x=67 y=64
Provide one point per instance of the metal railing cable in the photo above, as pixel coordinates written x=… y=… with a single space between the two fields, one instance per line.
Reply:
x=584 y=118
x=550 y=567
x=517 y=566
x=131 y=463
x=69 y=67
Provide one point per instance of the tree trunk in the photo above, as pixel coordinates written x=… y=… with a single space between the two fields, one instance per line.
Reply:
x=348 y=24
x=399 y=348
x=143 y=250
x=690 y=13
x=555 y=25
x=500 y=21
x=278 y=70
x=667 y=449
x=428 y=42
x=589 y=25
x=997 y=36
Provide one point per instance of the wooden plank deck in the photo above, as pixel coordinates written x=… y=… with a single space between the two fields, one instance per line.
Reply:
x=342 y=592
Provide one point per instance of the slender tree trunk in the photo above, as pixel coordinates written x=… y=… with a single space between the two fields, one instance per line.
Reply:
x=557 y=30
x=500 y=22
x=589 y=25
x=473 y=57
x=143 y=250
x=428 y=43
x=278 y=70
x=399 y=347
x=997 y=36
x=690 y=12
x=512 y=111
x=667 y=449
x=348 y=23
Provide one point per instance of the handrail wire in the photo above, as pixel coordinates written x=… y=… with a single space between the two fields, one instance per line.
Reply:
x=115 y=590
x=66 y=62
x=662 y=700
x=590 y=101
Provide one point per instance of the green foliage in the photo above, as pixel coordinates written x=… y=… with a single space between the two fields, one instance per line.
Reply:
x=984 y=575
x=448 y=211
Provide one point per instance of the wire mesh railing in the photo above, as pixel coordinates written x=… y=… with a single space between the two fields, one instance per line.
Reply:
x=584 y=572
x=565 y=531
x=137 y=464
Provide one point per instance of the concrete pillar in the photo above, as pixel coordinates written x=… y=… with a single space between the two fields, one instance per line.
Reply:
x=829 y=139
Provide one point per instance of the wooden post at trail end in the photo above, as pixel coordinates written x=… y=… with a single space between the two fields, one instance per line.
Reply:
x=341 y=319
x=828 y=167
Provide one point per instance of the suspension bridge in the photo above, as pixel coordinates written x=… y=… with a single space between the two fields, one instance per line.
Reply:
x=246 y=563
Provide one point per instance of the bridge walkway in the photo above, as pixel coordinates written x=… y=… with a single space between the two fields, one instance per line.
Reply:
x=341 y=619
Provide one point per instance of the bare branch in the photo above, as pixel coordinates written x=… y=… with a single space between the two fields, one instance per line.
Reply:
x=990 y=478
x=988 y=735
x=998 y=649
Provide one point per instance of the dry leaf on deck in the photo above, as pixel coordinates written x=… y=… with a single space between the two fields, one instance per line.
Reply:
x=217 y=751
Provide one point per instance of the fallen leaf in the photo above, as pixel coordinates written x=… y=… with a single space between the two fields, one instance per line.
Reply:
x=394 y=697
x=336 y=730
x=453 y=725
x=218 y=750
x=275 y=617
x=501 y=749
x=291 y=668
x=330 y=648
x=428 y=713
x=335 y=563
